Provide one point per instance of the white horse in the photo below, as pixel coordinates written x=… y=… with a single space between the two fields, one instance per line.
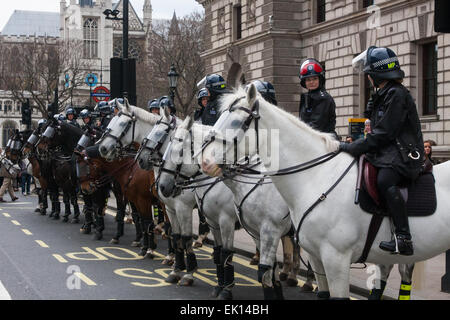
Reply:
x=335 y=231
x=130 y=126
x=261 y=210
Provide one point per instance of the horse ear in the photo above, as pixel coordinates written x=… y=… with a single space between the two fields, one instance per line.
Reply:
x=190 y=122
x=121 y=106
x=127 y=103
x=167 y=112
x=251 y=94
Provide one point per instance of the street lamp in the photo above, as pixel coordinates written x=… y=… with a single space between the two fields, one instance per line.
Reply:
x=114 y=13
x=173 y=80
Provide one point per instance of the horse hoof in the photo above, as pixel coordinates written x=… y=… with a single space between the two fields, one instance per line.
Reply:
x=216 y=291
x=283 y=276
x=98 y=236
x=172 y=278
x=291 y=282
x=37 y=210
x=149 y=254
x=197 y=244
x=43 y=213
x=75 y=221
x=65 y=219
x=307 y=288
x=186 y=282
x=225 y=295
x=168 y=261
x=85 y=230
x=254 y=261
x=55 y=217
x=135 y=244
x=114 y=241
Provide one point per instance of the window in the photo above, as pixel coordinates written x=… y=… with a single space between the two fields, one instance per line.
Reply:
x=367 y=3
x=7 y=106
x=90 y=36
x=237 y=22
x=7 y=131
x=320 y=16
x=429 y=73
x=221 y=20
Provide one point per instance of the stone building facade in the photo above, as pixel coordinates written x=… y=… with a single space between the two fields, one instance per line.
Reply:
x=269 y=39
x=77 y=19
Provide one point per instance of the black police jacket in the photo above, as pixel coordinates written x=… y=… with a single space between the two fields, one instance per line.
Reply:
x=73 y=122
x=208 y=114
x=396 y=140
x=318 y=110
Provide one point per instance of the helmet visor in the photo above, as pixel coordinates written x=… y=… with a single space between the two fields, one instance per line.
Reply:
x=360 y=61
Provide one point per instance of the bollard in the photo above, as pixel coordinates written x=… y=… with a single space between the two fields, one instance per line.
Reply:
x=445 y=280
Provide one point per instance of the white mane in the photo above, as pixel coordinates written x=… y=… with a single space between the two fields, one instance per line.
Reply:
x=141 y=114
x=330 y=142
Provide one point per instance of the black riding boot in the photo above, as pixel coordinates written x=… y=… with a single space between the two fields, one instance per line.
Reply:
x=402 y=239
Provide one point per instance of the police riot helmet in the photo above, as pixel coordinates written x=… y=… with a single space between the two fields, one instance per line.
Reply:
x=380 y=63
x=165 y=101
x=201 y=94
x=266 y=89
x=61 y=117
x=85 y=113
x=153 y=104
x=311 y=68
x=215 y=84
x=70 y=110
x=41 y=123
x=103 y=107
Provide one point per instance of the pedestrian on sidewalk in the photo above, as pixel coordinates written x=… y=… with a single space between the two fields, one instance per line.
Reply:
x=7 y=185
x=25 y=178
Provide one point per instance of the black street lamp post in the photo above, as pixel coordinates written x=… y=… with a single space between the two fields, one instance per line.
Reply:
x=173 y=80
x=114 y=14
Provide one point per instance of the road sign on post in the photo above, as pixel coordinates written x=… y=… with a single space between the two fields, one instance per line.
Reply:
x=101 y=93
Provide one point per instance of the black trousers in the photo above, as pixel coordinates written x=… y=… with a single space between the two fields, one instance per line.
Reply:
x=387 y=177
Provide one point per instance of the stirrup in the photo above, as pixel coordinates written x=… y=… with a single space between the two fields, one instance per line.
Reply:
x=397 y=251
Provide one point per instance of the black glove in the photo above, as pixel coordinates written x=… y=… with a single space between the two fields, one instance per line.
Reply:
x=349 y=148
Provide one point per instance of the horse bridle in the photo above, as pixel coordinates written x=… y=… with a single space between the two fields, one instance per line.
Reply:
x=157 y=148
x=118 y=139
x=253 y=114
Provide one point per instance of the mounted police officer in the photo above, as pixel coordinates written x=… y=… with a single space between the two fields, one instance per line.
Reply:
x=395 y=145
x=71 y=117
x=153 y=106
x=202 y=102
x=317 y=107
x=165 y=101
x=216 y=86
x=266 y=90
x=105 y=114
x=88 y=124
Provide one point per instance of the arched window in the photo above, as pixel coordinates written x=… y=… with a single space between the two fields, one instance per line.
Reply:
x=90 y=37
x=7 y=131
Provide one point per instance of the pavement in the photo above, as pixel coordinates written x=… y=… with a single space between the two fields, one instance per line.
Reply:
x=426 y=284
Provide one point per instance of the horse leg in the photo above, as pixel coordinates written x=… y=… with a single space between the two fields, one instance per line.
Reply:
x=137 y=226
x=380 y=282
x=288 y=274
x=66 y=201
x=56 y=204
x=226 y=257
x=322 y=283
x=120 y=216
x=99 y=219
x=179 y=266
x=191 y=261
x=76 y=208
x=337 y=269
x=406 y=272
x=170 y=258
x=38 y=209
x=144 y=247
x=44 y=201
x=149 y=225
x=268 y=264
x=88 y=214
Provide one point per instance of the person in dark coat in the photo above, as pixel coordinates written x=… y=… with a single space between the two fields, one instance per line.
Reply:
x=216 y=86
x=395 y=144
x=71 y=117
x=317 y=107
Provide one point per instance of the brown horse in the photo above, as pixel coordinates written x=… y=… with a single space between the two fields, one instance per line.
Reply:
x=135 y=183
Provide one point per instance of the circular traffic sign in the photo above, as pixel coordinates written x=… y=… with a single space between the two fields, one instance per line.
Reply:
x=101 y=93
x=91 y=80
